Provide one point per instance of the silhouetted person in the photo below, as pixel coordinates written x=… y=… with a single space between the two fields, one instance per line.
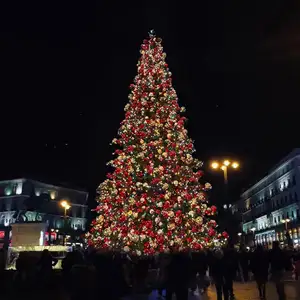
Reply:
x=103 y=263
x=259 y=265
x=244 y=263
x=230 y=268
x=140 y=271
x=217 y=272
x=199 y=268
x=178 y=276
x=71 y=259
x=163 y=262
x=45 y=265
x=22 y=267
x=278 y=262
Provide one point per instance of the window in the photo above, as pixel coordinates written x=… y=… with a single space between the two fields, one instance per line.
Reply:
x=281 y=201
x=298 y=213
x=296 y=197
x=294 y=180
x=287 y=215
x=278 y=219
x=285 y=199
x=291 y=197
x=274 y=220
x=293 y=216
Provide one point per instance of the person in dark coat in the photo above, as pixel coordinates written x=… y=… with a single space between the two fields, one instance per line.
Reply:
x=230 y=268
x=279 y=262
x=199 y=268
x=259 y=265
x=217 y=272
x=178 y=276
x=244 y=263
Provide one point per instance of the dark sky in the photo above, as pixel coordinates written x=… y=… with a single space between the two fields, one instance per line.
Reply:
x=66 y=67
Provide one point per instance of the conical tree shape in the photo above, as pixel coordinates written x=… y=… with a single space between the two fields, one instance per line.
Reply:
x=153 y=201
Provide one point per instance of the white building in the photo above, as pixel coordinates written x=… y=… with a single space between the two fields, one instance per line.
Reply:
x=270 y=208
x=24 y=201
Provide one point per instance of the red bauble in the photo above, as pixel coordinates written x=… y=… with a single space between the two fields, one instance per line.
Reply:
x=211 y=232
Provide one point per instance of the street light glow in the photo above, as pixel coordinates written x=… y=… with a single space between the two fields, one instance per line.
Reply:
x=65 y=204
x=215 y=165
x=235 y=165
x=239 y=234
x=223 y=168
x=226 y=163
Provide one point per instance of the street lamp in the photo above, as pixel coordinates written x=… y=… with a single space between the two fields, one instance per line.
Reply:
x=66 y=206
x=224 y=167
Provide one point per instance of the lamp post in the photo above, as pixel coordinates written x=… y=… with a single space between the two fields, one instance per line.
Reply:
x=224 y=167
x=66 y=206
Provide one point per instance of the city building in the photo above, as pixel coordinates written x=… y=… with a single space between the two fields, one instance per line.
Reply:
x=25 y=200
x=270 y=208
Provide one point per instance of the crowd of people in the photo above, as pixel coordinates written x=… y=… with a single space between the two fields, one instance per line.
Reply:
x=105 y=275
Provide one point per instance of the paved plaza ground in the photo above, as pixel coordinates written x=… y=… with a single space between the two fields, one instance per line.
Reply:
x=242 y=292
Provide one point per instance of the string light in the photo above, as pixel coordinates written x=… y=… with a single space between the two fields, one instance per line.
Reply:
x=153 y=201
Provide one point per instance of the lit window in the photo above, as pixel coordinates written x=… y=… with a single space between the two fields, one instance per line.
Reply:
x=37 y=192
x=52 y=195
x=19 y=188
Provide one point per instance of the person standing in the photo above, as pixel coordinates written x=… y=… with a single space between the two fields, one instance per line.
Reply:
x=244 y=263
x=278 y=264
x=230 y=268
x=178 y=276
x=259 y=265
x=217 y=272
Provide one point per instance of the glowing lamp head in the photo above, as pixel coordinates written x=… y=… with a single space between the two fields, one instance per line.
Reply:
x=215 y=165
x=223 y=168
x=65 y=204
x=235 y=165
x=226 y=163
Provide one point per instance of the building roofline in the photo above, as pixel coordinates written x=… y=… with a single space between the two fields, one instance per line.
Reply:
x=294 y=153
x=43 y=183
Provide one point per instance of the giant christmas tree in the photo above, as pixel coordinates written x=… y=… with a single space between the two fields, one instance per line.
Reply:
x=154 y=200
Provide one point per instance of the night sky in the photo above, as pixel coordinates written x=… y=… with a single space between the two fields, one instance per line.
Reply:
x=66 y=67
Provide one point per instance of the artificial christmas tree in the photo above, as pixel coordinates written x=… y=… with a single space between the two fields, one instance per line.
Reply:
x=153 y=201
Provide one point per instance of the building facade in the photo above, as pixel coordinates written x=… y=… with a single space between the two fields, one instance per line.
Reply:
x=270 y=208
x=24 y=200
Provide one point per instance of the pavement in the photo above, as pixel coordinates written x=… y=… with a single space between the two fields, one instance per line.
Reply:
x=246 y=291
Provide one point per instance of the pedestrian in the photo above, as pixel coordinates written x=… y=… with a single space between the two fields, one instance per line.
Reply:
x=178 y=276
x=259 y=265
x=217 y=272
x=244 y=263
x=278 y=264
